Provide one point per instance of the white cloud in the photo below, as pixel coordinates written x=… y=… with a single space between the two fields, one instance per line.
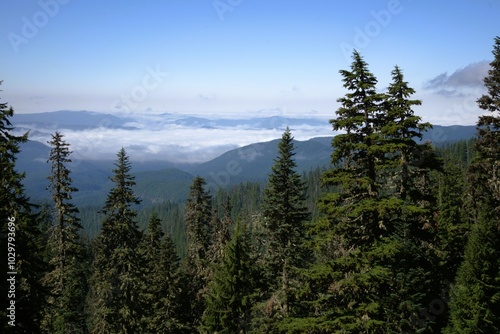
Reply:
x=470 y=76
x=169 y=142
x=450 y=99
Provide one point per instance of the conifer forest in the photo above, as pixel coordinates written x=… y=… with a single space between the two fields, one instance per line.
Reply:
x=397 y=235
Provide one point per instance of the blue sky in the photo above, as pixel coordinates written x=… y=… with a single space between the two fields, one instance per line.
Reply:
x=240 y=57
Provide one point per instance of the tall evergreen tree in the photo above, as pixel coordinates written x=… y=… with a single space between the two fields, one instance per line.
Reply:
x=162 y=285
x=486 y=169
x=455 y=209
x=198 y=218
x=475 y=296
x=117 y=268
x=230 y=290
x=346 y=281
x=221 y=233
x=25 y=236
x=407 y=208
x=285 y=215
x=67 y=278
x=374 y=257
x=452 y=220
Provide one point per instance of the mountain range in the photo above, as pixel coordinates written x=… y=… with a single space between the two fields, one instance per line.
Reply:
x=161 y=180
x=85 y=120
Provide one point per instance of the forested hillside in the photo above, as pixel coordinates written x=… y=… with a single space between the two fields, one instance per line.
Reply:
x=396 y=233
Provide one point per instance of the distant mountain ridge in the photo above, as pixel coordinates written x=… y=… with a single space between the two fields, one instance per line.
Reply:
x=178 y=139
x=67 y=119
x=159 y=181
x=83 y=119
x=271 y=122
x=440 y=134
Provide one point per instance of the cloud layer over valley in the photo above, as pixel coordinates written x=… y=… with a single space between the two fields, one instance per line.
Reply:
x=167 y=137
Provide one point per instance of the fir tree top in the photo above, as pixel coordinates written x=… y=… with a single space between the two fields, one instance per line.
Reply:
x=491 y=101
x=121 y=197
x=12 y=191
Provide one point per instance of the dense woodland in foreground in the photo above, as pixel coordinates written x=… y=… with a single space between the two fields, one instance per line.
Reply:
x=397 y=236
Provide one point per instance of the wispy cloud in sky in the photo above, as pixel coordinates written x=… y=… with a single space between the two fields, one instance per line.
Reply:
x=466 y=78
x=453 y=96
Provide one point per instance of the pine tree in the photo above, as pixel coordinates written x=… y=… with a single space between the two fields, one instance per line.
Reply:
x=407 y=209
x=198 y=217
x=67 y=278
x=285 y=215
x=452 y=220
x=346 y=281
x=220 y=233
x=373 y=243
x=229 y=293
x=455 y=209
x=486 y=169
x=117 y=268
x=161 y=294
x=475 y=296
x=20 y=227
x=196 y=268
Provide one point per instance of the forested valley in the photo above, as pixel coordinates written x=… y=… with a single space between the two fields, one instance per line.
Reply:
x=395 y=236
